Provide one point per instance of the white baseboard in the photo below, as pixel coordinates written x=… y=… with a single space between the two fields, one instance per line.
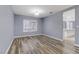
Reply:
x=18 y=37
x=9 y=47
x=26 y=35
x=77 y=45
x=31 y=35
x=53 y=37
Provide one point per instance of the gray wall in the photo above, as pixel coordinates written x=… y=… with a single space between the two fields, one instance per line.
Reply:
x=6 y=28
x=53 y=25
x=77 y=24
x=18 y=25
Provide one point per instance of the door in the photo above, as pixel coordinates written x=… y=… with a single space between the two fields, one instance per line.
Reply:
x=69 y=26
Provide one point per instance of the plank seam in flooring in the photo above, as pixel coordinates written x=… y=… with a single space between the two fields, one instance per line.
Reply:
x=29 y=35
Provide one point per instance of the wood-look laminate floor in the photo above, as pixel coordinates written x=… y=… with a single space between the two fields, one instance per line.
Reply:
x=41 y=45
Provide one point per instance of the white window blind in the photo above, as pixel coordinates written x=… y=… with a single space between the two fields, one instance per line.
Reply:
x=29 y=25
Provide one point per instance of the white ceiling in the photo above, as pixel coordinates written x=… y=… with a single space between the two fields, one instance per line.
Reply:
x=46 y=9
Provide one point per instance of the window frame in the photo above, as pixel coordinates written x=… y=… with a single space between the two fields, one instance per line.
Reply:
x=32 y=25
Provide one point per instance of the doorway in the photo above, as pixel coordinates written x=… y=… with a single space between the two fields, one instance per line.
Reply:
x=69 y=26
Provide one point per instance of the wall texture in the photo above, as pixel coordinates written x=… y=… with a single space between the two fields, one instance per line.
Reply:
x=53 y=25
x=18 y=25
x=6 y=28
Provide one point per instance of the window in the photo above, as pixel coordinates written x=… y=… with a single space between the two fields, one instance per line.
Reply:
x=29 y=25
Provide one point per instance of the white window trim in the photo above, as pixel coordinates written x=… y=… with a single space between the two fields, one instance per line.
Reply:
x=34 y=29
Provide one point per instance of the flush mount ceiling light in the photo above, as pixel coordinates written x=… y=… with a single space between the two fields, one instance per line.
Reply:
x=36 y=11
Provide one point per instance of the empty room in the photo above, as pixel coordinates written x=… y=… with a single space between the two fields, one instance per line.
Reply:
x=39 y=29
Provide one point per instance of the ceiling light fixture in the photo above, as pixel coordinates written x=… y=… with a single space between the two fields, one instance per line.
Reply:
x=36 y=11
